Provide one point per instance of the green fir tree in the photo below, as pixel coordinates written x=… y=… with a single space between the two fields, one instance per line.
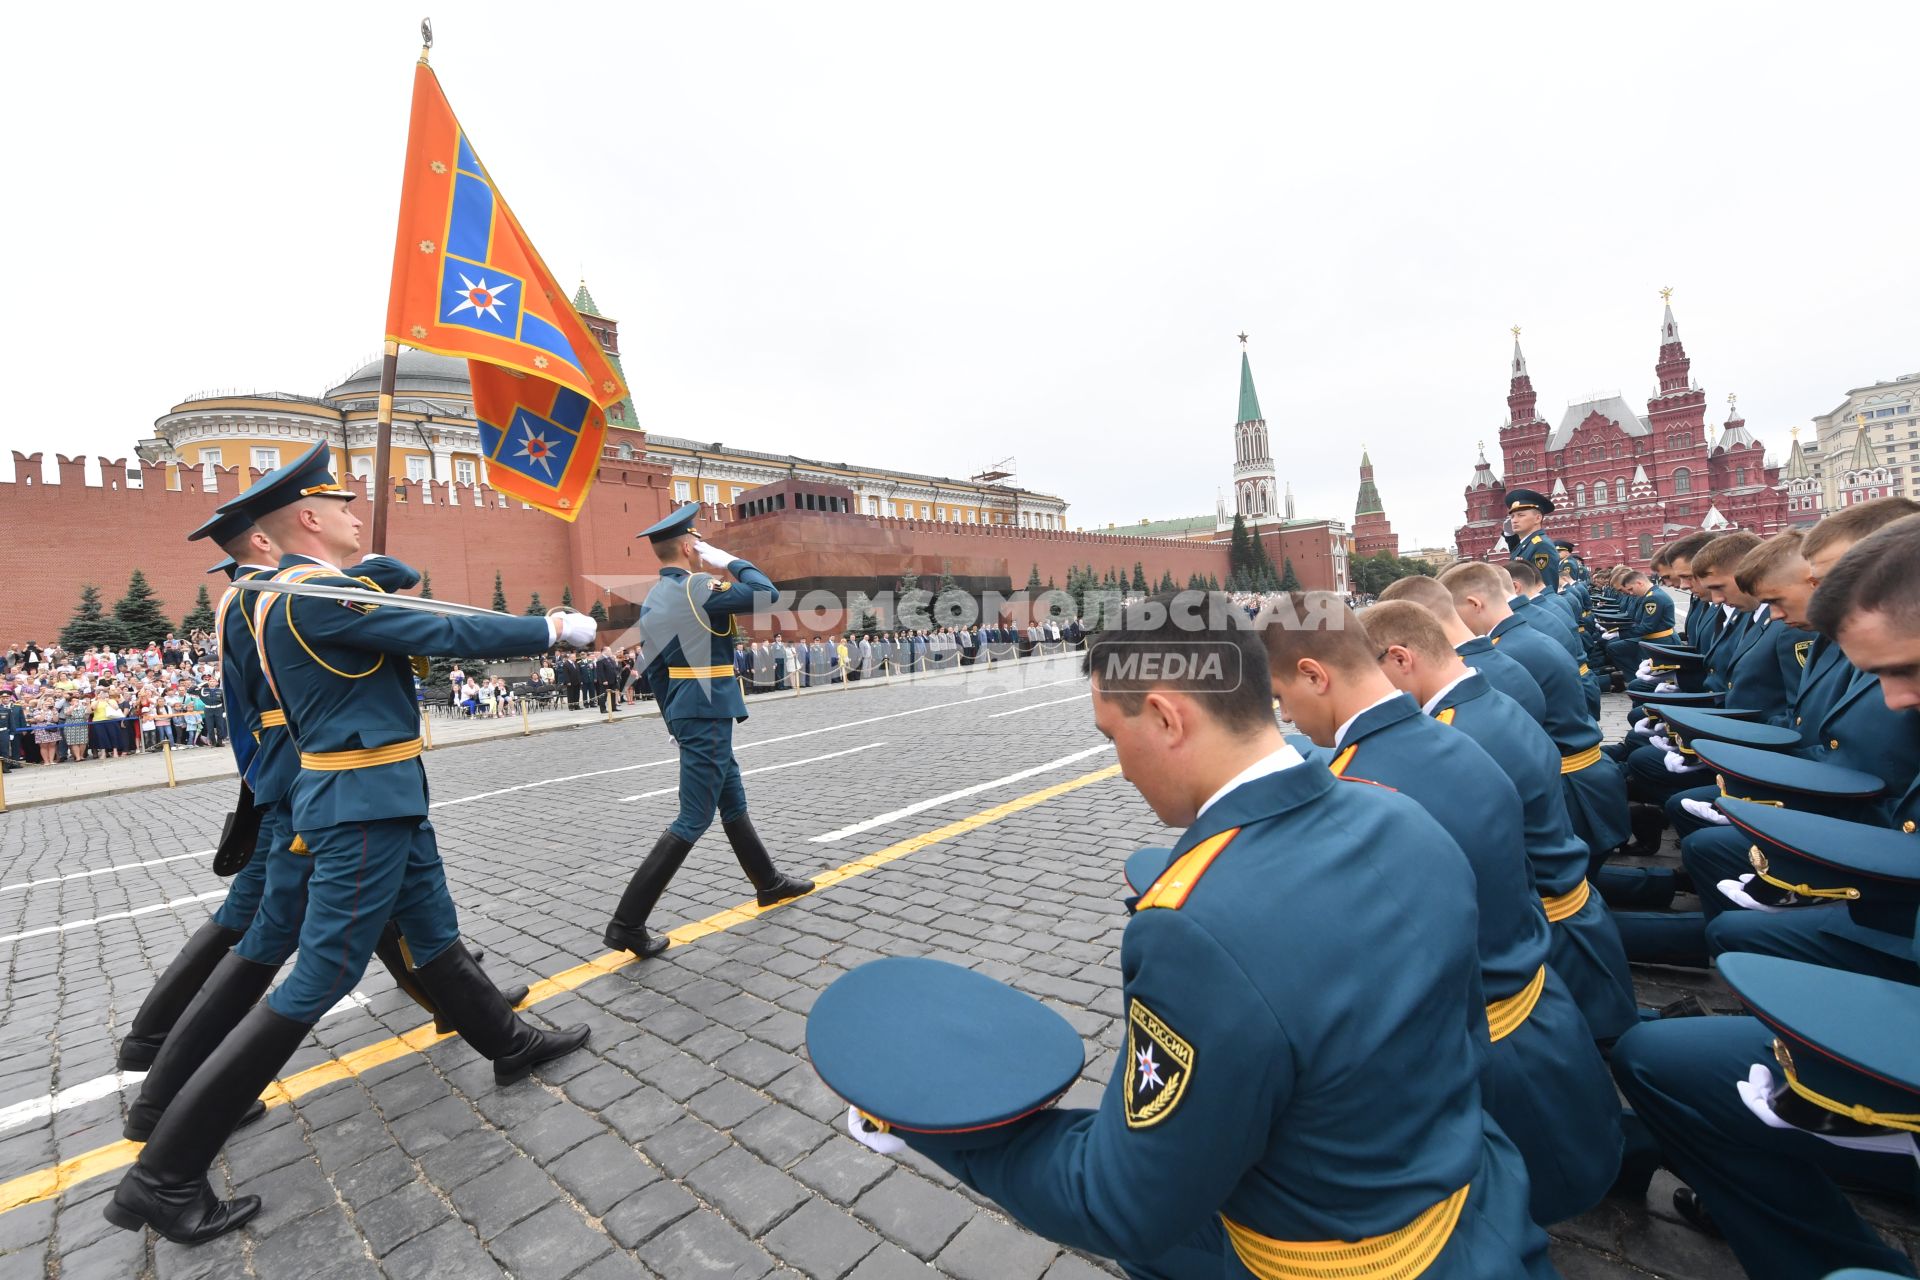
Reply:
x=499 y=594
x=566 y=596
x=139 y=613
x=200 y=617
x=90 y=627
x=1289 y=580
x=598 y=613
x=534 y=607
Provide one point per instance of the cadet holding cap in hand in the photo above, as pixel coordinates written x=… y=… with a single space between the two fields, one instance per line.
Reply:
x=1304 y=1024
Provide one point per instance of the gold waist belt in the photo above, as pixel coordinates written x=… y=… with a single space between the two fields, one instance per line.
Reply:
x=1398 y=1255
x=1568 y=903
x=698 y=673
x=361 y=758
x=1579 y=760
x=1505 y=1016
x=1656 y=635
x=273 y=717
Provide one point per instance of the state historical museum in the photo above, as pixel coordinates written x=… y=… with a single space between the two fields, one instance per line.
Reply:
x=1624 y=483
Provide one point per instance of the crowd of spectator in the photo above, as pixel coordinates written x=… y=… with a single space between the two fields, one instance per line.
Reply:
x=58 y=706
x=779 y=663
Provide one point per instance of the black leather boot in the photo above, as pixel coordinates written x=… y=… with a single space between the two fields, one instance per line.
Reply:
x=173 y=993
x=772 y=884
x=627 y=931
x=235 y=986
x=476 y=1009
x=167 y=1189
x=393 y=954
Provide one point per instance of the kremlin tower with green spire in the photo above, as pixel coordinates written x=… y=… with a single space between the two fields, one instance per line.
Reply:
x=1371 y=532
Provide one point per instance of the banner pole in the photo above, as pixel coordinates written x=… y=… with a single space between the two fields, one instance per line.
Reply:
x=383 y=445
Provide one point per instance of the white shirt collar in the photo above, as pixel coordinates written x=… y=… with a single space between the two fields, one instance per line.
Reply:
x=1285 y=758
x=1340 y=738
x=1435 y=700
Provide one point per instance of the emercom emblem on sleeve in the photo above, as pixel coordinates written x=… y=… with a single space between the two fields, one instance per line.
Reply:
x=1653 y=607
x=1800 y=648
x=1159 y=1063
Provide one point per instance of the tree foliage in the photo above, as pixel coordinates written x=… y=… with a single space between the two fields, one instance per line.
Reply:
x=139 y=613
x=90 y=627
x=200 y=617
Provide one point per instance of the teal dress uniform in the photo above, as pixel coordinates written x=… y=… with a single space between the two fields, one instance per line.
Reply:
x=1537 y=549
x=1651 y=619
x=359 y=801
x=1545 y=1082
x=689 y=624
x=687 y=620
x=167 y=1000
x=1596 y=790
x=1552 y=623
x=1304 y=1037
x=342 y=675
x=1504 y=674
x=1584 y=947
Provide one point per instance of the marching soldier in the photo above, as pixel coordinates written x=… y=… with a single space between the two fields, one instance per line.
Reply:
x=343 y=676
x=688 y=623
x=237 y=975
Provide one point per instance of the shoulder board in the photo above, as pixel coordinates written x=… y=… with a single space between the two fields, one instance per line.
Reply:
x=1177 y=881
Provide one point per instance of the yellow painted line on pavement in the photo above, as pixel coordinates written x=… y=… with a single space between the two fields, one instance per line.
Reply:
x=44 y=1184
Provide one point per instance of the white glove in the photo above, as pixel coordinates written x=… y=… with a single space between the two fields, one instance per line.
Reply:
x=1677 y=763
x=710 y=554
x=1735 y=891
x=1609 y=635
x=1757 y=1092
x=1706 y=812
x=575 y=630
x=872 y=1139
x=1660 y=740
x=1645 y=670
x=1666 y=686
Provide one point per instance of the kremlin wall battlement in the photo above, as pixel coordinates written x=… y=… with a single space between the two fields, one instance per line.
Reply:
x=63 y=535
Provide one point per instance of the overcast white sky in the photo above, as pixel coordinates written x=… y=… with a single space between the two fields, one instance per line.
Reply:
x=932 y=237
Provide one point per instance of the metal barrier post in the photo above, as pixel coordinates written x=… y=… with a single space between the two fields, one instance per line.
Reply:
x=3 y=788
x=525 y=728
x=608 y=695
x=166 y=749
x=426 y=728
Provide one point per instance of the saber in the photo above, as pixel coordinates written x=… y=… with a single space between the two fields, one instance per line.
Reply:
x=355 y=595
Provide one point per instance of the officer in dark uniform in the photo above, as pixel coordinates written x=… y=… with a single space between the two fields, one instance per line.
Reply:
x=1308 y=954
x=688 y=621
x=1527 y=512
x=1650 y=618
x=344 y=679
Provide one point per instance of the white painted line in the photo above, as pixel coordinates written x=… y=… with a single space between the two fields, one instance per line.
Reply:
x=768 y=768
x=920 y=806
x=33 y=1110
x=762 y=742
x=37 y=1109
x=102 y=871
x=545 y=782
x=1078 y=697
x=168 y=905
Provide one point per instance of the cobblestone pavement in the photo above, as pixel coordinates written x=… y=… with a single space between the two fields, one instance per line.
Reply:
x=690 y=1138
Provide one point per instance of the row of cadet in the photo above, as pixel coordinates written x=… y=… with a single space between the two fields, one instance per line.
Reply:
x=1302 y=1086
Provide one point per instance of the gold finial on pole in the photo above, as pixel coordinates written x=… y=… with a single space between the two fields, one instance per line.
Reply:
x=1795 y=433
x=426 y=38
x=1516 y=333
x=1732 y=404
x=1666 y=294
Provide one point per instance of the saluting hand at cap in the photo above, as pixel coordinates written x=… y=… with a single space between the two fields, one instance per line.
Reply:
x=713 y=555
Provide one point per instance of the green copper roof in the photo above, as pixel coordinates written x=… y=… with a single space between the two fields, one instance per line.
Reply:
x=1249 y=402
x=583 y=301
x=1864 y=456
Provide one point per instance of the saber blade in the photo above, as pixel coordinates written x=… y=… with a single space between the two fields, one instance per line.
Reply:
x=355 y=595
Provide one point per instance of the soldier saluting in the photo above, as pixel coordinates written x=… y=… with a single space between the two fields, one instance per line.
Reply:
x=688 y=622
x=1527 y=512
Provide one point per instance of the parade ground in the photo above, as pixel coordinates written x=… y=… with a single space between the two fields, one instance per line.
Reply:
x=976 y=817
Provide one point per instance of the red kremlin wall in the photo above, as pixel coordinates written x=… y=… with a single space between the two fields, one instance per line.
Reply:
x=56 y=537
